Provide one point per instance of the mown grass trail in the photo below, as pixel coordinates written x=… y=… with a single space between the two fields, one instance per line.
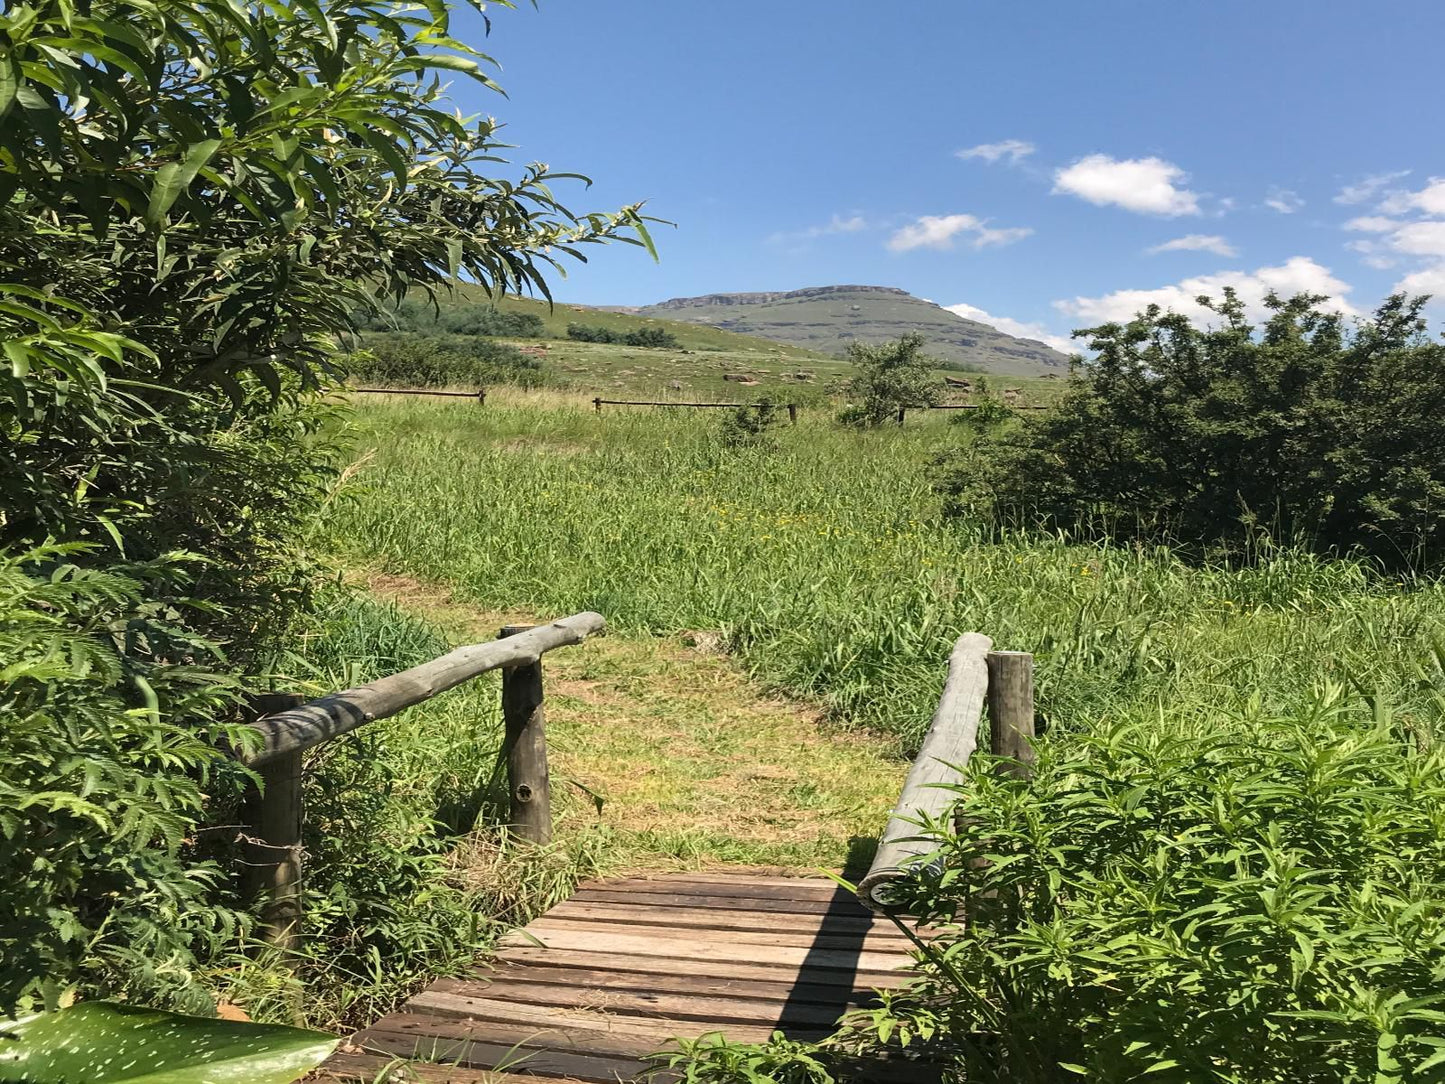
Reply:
x=665 y=748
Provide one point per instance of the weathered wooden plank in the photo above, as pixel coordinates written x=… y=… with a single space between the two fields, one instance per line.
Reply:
x=456 y=1015
x=625 y=965
x=749 y=888
x=478 y=982
x=845 y=906
x=672 y=936
x=323 y=719
x=708 y=918
x=355 y=1067
x=592 y=939
x=950 y=741
x=708 y=1009
x=470 y=1053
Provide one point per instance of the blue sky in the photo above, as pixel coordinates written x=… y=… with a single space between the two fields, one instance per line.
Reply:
x=1048 y=164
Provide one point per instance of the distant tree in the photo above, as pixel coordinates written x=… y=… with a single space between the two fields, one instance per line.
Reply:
x=587 y=333
x=1302 y=428
x=651 y=337
x=890 y=377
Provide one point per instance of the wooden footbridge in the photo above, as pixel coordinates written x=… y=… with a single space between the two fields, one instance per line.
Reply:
x=623 y=969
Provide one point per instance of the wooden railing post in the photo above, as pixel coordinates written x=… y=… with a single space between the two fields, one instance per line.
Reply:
x=793 y=413
x=525 y=747
x=1011 y=708
x=273 y=844
x=597 y=404
x=902 y=411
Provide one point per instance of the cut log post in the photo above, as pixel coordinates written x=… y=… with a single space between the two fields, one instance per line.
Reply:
x=793 y=413
x=1011 y=709
x=273 y=842
x=901 y=412
x=950 y=741
x=481 y=397
x=597 y=404
x=525 y=748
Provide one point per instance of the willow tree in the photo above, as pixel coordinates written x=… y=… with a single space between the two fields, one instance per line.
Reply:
x=196 y=198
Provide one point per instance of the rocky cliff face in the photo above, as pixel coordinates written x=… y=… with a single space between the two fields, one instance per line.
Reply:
x=828 y=318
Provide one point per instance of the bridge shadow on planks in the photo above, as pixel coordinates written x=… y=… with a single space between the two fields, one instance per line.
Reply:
x=623 y=968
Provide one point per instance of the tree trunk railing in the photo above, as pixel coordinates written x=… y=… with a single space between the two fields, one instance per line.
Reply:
x=977 y=675
x=288 y=728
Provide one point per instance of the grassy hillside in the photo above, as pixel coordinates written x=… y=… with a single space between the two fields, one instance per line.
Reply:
x=828 y=318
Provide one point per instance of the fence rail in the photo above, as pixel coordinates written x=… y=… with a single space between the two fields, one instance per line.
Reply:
x=288 y=728
x=977 y=675
x=480 y=395
x=599 y=403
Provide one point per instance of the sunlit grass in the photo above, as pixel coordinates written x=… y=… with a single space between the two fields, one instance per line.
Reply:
x=830 y=571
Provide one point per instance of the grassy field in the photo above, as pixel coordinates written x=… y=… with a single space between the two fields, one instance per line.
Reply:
x=829 y=572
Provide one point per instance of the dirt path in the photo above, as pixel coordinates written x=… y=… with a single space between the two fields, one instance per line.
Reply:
x=693 y=765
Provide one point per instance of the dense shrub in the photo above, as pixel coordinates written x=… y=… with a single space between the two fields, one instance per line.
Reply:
x=1262 y=902
x=198 y=198
x=435 y=361
x=642 y=336
x=454 y=318
x=586 y=333
x=1302 y=427
x=109 y=747
x=890 y=377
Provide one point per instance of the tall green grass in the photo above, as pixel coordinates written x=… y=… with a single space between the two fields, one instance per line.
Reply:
x=830 y=569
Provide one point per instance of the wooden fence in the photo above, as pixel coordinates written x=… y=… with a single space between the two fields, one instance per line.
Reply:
x=599 y=403
x=275 y=815
x=976 y=675
x=480 y=395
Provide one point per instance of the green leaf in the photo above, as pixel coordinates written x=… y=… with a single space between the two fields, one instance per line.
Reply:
x=103 y=1043
x=175 y=177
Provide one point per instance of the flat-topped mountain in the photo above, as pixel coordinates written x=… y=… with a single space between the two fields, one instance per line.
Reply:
x=828 y=318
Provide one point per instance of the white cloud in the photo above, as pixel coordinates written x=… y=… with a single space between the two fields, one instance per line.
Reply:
x=1144 y=185
x=1430 y=200
x=1195 y=242
x=940 y=232
x=1300 y=274
x=1013 y=150
x=1284 y=200
x=1427 y=280
x=1373 y=224
x=1420 y=239
x=838 y=224
x=1372 y=254
x=1023 y=330
x=1368 y=187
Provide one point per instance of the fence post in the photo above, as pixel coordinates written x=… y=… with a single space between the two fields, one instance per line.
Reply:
x=273 y=845
x=793 y=413
x=597 y=404
x=525 y=747
x=1011 y=708
x=481 y=397
x=901 y=412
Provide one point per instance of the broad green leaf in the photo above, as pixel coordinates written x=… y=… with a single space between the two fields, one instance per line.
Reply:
x=175 y=177
x=103 y=1043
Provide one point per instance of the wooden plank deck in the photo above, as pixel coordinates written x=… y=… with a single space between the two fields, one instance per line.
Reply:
x=624 y=967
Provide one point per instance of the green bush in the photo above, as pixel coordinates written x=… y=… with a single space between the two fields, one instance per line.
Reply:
x=427 y=361
x=110 y=751
x=1302 y=428
x=454 y=318
x=586 y=333
x=890 y=377
x=650 y=337
x=1260 y=902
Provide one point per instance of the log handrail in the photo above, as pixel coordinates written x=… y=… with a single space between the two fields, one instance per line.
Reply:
x=976 y=675
x=274 y=818
x=320 y=720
